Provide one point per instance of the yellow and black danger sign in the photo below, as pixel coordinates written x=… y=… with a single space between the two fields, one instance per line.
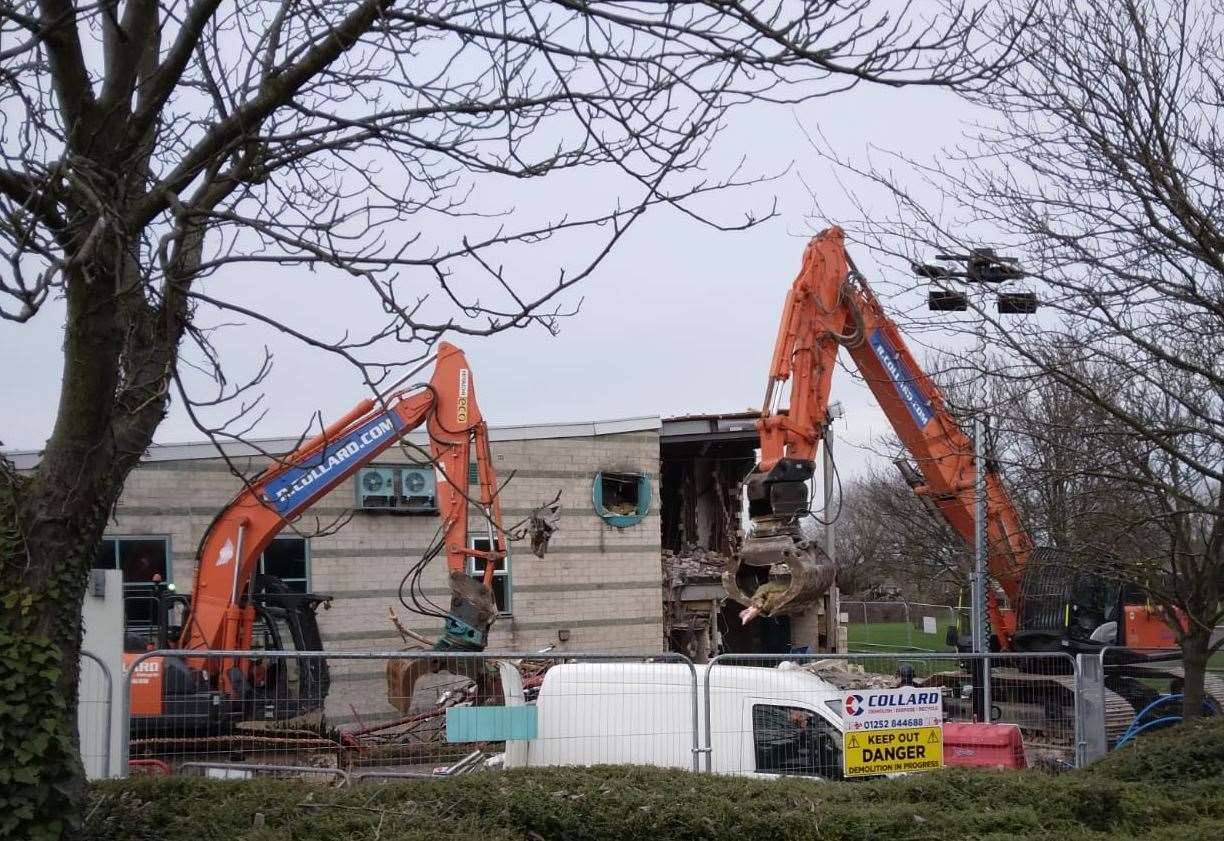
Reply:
x=893 y=751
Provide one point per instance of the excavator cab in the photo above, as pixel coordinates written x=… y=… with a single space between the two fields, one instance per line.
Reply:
x=284 y=688
x=1065 y=609
x=152 y=616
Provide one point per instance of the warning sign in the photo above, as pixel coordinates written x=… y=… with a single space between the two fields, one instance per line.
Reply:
x=888 y=731
x=893 y=751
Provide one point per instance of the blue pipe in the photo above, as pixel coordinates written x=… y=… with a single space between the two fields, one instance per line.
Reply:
x=1132 y=733
x=1134 y=728
x=1163 y=699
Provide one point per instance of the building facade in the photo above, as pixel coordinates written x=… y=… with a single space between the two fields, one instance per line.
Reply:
x=596 y=589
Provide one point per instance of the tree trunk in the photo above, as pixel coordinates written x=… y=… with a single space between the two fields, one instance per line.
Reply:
x=118 y=352
x=42 y=787
x=1196 y=647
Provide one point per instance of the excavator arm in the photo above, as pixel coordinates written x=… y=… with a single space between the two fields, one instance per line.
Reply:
x=222 y=612
x=830 y=306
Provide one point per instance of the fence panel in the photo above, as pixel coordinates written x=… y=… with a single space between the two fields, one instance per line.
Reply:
x=1143 y=692
x=94 y=713
x=750 y=701
x=899 y=625
x=361 y=715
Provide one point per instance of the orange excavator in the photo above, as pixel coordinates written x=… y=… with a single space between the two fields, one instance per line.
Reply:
x=230 y=604
x=1037 y=604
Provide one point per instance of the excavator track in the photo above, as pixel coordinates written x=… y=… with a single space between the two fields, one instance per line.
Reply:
x=193 y=746
x=1043 y=705
x=1213 y=686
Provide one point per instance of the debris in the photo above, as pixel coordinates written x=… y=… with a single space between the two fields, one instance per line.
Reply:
x=689 y=622
x=622 y=508
x=845 y=675
x=540 y=525
x=764 y=600
x=692 y=564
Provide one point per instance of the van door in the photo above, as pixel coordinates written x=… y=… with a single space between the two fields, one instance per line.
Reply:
x=791 y=739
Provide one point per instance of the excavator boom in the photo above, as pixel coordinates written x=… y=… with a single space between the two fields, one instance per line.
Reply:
x=830 y=306
x=222 y=613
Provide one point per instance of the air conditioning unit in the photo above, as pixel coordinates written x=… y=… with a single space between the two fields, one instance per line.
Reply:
x=418 y=489
x=376 y=488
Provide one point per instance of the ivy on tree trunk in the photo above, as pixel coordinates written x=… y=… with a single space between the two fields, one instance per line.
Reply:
x=42 y=781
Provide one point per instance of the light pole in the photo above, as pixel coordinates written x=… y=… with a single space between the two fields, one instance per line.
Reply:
x=833 y=609
x=984 y=267
x=981 y=633
x=981 y=266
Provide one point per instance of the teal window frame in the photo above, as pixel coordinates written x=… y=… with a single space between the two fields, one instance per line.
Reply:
x=613 y=519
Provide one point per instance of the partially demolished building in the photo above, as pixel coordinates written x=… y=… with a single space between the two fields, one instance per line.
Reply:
x=633 y=492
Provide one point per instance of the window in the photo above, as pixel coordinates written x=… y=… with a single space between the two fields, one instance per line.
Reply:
x=288 y=558
x=796 y=741
x=140 y=558
x=621 y=499
x=501 y=575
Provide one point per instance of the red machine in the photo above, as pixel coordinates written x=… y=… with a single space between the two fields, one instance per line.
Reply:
x=1045 y=606
x=228 y=601
x=974 y=745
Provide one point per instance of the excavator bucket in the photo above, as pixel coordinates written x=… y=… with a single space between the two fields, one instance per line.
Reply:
x=472 y=603
x=809 y=573
x=402 y=677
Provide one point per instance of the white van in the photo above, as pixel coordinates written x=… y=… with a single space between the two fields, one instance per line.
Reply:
x=763 y=721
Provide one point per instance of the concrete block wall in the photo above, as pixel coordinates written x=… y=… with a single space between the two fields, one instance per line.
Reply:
x=599 y=583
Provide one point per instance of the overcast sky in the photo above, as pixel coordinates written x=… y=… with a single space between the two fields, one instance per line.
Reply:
x=680 y=319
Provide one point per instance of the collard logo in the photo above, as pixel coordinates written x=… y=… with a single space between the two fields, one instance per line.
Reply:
x=854 y=705
x=298 y=486
x=146 y=672
x=903 y=380
x=462 y=412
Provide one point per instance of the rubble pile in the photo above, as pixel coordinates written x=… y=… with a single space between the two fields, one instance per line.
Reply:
x=692 y=564
x=845 y=675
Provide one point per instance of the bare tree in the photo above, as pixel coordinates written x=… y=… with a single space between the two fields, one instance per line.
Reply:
x=150 y=145
x=884 y=532
x=1099 y=162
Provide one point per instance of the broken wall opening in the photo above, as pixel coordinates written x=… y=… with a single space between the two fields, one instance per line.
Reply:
x=700 y=489
x=620 y=492
x=621 y=499
x=703 y=460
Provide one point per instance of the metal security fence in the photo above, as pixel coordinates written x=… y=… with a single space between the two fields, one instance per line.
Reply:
x=353 y=716
x=1037 y=692
x=361 y=715
x=900 y=625
x=95 y=695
